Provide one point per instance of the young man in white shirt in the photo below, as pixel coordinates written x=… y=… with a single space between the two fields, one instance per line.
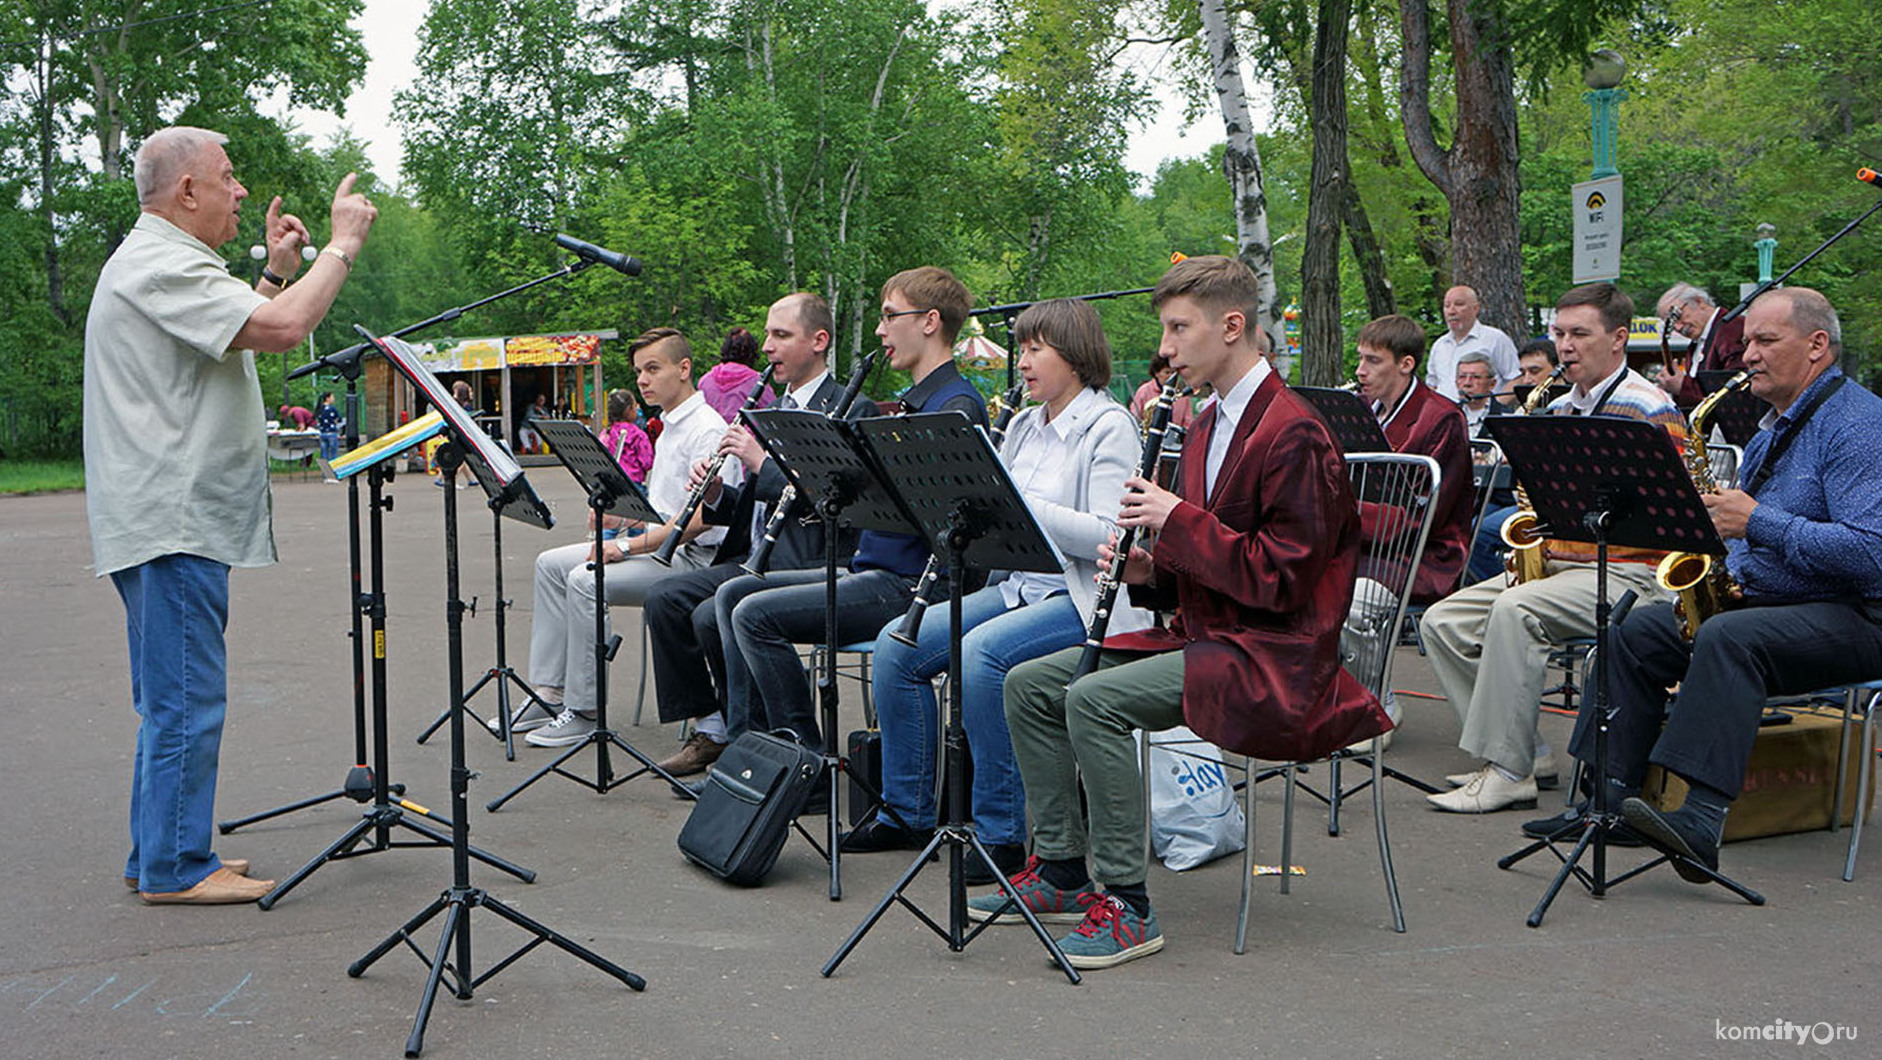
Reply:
x=562 y=630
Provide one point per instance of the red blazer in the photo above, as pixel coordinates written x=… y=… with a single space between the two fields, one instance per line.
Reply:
x=1432 y=425
x=1724 y=352
x=1262 y=575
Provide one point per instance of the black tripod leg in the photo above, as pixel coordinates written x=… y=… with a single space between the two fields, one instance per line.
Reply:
x=497 y=803
x=403 y=934
x=495 y=862
x=1032 y=921
x=415 y=1044
x=1555 y=885
x=445 y=714
x=882 y=905
x=347 y=841
x=647 y=765
x=226 y=827
x=566 y=945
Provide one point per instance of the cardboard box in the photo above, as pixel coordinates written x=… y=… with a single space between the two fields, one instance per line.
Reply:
x=1787 y=783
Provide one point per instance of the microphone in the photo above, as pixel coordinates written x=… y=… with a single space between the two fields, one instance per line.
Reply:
x=1869 y=176
x=625 y=264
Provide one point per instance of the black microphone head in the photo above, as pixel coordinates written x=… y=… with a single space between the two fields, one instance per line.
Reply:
x=625 y=264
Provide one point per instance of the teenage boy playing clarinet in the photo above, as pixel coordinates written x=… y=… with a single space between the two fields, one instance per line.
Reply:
x=1257 y=549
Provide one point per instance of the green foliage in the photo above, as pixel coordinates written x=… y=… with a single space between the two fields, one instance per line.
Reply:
x=40 y=476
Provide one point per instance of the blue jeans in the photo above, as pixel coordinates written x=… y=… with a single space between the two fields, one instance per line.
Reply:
x=766 y=627
x=176 y=609
x=1486 y=553
x=329 y=445
x=993 y=641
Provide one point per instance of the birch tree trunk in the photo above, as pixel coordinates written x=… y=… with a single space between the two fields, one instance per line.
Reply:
x=1241 y=162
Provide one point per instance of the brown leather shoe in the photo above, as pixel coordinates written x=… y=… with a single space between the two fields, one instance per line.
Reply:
x=220 y=887
x=694 y=756
x=239 y=866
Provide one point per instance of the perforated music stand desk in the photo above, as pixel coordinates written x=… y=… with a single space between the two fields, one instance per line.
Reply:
x=587 y=459
x=1738 y=416
x=823 y=462
x=1609 y=481
x=947 y=479
x=1353 y=425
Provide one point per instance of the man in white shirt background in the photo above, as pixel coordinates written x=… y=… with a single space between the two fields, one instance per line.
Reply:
x=1467 y=334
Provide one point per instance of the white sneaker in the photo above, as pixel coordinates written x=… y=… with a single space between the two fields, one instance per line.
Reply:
x=1547 y=779
x=1487 y=792
x=534 y=715
x=570 y=728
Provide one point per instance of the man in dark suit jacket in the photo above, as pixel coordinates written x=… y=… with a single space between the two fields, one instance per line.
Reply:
x=1715 y=347
x=1258 y=550
x=683 y=631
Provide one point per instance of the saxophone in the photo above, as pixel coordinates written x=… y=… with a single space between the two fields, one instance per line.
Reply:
x=1521 y=531
x=1701 y=581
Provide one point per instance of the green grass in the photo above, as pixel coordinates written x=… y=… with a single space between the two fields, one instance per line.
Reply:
x=40 y=476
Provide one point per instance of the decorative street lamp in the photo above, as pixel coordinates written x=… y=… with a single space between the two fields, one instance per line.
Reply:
x=1767 y=250
x=1603 y=75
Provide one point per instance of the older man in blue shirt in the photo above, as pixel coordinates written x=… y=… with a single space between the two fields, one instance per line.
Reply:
x=1804 y=540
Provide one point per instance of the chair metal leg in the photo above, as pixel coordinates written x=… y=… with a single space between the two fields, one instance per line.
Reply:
x=1287 y=830
x=1863 y=776
x=1842 y=757
x=640 y=699
x=1248 y=856
x=1385 y=844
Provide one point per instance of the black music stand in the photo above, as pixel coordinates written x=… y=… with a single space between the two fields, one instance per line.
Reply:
x=388 y=807
x=1349 y=418
x=1740 y=415
x=1609 y=481
x=819 y=457
x=500 y=676
x=949 y=481
x=606 y=485
x=510 y=493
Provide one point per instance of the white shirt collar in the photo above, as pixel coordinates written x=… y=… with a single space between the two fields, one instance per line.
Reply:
x=1583 y=401
x=1235 y=400
x=803 y=394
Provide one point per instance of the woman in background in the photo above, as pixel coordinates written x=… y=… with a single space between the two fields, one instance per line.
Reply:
x=725 y=386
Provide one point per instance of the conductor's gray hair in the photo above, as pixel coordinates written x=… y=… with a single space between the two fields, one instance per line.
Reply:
x=166 y=155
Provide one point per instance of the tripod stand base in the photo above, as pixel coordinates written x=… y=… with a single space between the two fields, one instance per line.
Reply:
x=1594 y=836
x=381 y=819
x=961 y=841
x=605 y=780
x=457 y=905
x=502 y=675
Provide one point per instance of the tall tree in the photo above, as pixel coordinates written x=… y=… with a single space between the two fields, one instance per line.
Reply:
x=1241 y=163
x=1322 y=338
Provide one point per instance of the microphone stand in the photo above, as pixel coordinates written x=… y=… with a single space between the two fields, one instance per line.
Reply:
x=1009 y=314
x=1765 y=285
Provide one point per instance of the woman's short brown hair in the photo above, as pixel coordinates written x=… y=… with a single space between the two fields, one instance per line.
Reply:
x=1071 y=328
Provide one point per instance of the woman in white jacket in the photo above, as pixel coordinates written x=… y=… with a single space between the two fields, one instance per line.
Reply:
x=1069 y=454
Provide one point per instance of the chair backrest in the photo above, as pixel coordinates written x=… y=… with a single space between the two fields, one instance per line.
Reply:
x=1486 y=465
x=1397 y=494
x=1725 y=459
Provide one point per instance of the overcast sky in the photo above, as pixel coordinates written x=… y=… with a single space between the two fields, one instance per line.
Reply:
x=391 y=36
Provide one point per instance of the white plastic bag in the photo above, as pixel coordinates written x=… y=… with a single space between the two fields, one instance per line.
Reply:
x=1194 y=815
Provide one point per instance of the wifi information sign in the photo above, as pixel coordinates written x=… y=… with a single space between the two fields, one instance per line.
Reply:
x=1596 y=206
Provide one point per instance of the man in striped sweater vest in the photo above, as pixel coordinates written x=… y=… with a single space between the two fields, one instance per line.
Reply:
x=1490 y=642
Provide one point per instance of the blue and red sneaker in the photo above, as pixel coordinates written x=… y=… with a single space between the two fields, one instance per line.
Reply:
x=1048 y=903
x=1111 y=934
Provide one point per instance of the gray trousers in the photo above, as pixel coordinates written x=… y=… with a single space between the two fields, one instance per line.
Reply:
x=1489 y=644
x=1061 y=734
x=562 y=627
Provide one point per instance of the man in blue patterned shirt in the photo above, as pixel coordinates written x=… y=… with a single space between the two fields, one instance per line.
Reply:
x=1804 y=540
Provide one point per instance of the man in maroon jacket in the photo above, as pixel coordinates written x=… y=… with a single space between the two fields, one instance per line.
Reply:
x=1415 y=419
x=1257 y=549
x=1715 y=347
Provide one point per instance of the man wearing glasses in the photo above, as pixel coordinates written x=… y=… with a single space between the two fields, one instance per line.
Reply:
x=922 y=312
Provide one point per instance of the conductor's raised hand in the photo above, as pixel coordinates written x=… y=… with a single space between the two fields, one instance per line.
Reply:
x=353 y=216
x=285 y=235
x=1147 y=506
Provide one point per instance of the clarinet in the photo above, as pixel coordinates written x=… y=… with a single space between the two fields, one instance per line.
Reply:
x=911 y=621
x=664 y=554
x=760 y=559
x=1112 y=575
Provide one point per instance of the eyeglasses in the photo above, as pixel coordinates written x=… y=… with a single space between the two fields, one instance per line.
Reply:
x=888 y=315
